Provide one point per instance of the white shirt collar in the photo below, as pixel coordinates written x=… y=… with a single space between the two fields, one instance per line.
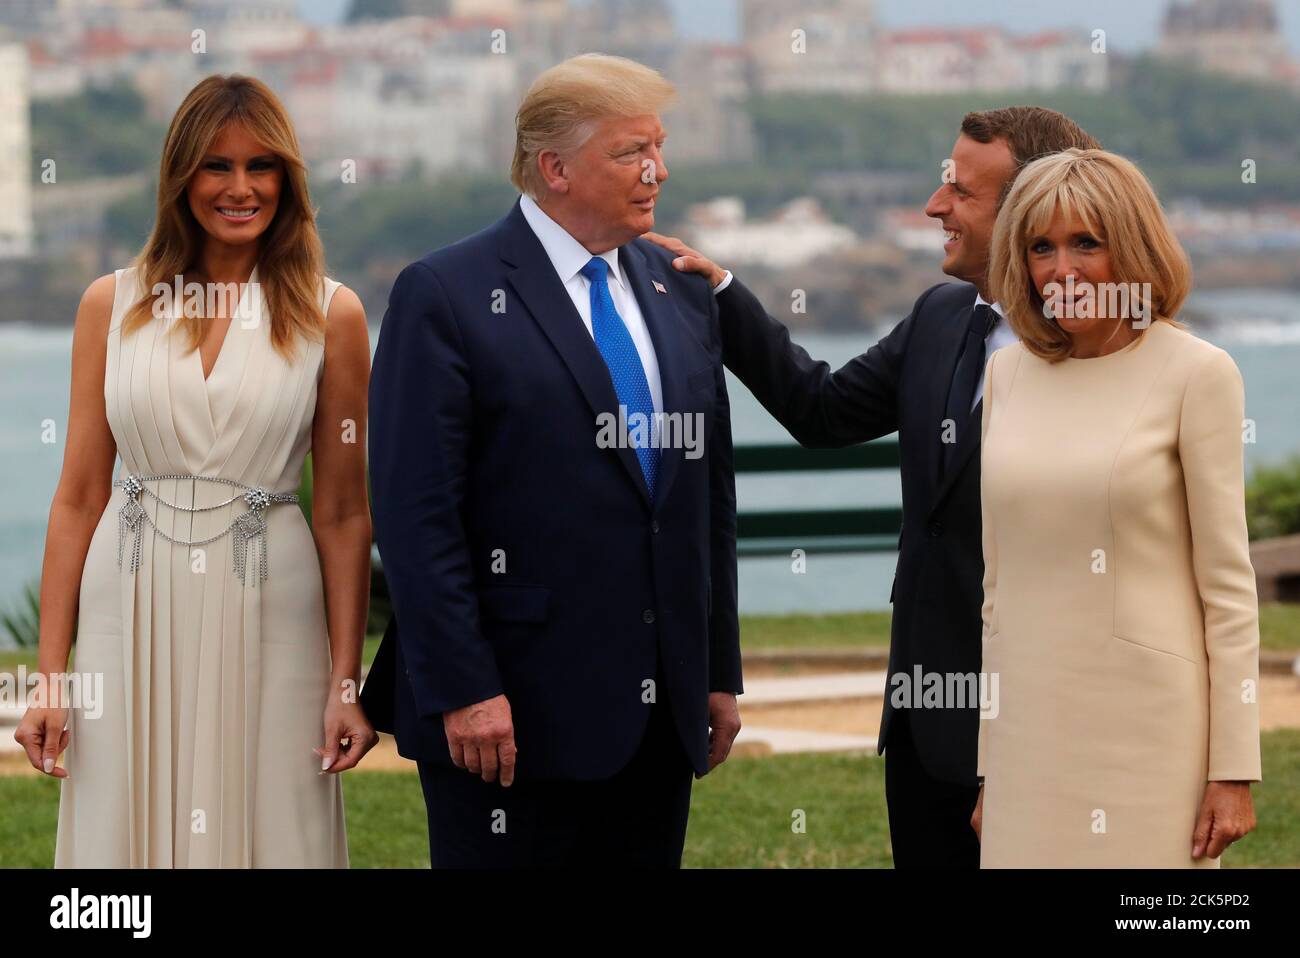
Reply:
x=981 y=301
x=567 y=255
x=1001 y=333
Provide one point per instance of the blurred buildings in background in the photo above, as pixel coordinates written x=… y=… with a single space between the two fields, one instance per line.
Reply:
x=845 y=51
x=409 y=91
x=17 y=235
x=1240 y=38
x=437 y=93
x=421 y=89
x=398 y=95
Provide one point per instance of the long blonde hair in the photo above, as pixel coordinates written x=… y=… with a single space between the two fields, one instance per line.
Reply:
x=291 y=260
x=1115 y=200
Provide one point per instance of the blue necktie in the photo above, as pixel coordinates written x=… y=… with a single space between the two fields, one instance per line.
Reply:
x=625 y=369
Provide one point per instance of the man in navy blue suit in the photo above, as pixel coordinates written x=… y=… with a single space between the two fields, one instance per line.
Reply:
x=554 y=504
x=923 y=381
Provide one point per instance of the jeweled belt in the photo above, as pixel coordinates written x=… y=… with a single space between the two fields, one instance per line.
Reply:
x=244 y=528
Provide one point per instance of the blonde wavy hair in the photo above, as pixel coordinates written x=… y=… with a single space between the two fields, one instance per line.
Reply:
x=291 y=260
x=558 y=111
x=1116 y=202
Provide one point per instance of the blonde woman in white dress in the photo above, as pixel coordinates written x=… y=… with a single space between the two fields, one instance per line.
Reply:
x=226 y=630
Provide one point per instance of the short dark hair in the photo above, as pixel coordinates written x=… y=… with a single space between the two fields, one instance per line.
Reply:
x=1030 y=132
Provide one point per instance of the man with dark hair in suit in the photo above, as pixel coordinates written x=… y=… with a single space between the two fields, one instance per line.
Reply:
x=924 y=381
x=554 y=503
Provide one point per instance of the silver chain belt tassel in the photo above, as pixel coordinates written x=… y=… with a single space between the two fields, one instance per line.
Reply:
x=250 y=525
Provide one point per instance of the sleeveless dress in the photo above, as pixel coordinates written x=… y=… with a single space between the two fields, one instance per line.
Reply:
x=1120 y=614
x=200 y=752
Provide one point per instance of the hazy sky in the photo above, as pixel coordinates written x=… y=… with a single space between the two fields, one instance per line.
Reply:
x=1129 y=24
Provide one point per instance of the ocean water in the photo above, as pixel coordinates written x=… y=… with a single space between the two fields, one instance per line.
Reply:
x=1260 y=328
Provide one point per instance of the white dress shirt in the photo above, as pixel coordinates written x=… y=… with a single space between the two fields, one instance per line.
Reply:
x=1002 y=335
x=568 y=256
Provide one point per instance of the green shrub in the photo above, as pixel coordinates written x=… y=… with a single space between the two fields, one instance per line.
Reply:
x=23 y=623
x=1273 y=500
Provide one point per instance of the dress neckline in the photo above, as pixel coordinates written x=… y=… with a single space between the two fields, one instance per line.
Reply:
x=1123 y=350
x=244 y=292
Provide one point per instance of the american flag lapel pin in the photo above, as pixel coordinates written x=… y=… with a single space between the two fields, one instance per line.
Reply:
x=659 y=287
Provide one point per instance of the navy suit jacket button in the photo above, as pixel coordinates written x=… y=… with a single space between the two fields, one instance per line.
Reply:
x=654 y=526
x=648 y=616
x=936 y=528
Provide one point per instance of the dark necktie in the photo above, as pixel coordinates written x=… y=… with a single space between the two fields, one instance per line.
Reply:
x=969 y=367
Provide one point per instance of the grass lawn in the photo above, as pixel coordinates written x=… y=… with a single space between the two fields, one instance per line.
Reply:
x=10 y=659
x=1279 y=630
x=741 y=815
x=837 y=631
x=847 y=630
x=1279 y=627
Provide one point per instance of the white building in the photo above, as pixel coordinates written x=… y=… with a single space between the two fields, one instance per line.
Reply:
x=796 y=234
x=910 y=229
x=710 y=122
x=392 y=95
x=816 y=46
x=954 y=60
x=943 y=60
x=1241 y=38
x=1060 y=60
x=16 y=233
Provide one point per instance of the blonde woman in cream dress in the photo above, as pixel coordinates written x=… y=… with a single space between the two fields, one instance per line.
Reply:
x=1120 y=613
x=226 y=630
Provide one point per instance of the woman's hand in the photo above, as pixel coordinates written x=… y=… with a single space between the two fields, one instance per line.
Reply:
x=977 y=816
x=1227 y=813
x=348 y=736
x=689 y=260
x=43 y=736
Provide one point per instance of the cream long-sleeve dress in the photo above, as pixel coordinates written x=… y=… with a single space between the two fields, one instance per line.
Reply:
x=1120 y=614
x=213 y=690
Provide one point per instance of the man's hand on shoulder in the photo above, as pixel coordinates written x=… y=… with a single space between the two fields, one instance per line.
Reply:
x=688 y=260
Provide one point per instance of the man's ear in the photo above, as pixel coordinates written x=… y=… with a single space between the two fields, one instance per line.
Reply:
x=554 y=172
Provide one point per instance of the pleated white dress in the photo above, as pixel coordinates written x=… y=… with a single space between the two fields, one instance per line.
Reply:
x=213 y=690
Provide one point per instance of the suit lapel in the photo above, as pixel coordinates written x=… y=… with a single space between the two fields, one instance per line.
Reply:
x=967 y=443
x=535 y=282
x=967 y=437
x=664 y=323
